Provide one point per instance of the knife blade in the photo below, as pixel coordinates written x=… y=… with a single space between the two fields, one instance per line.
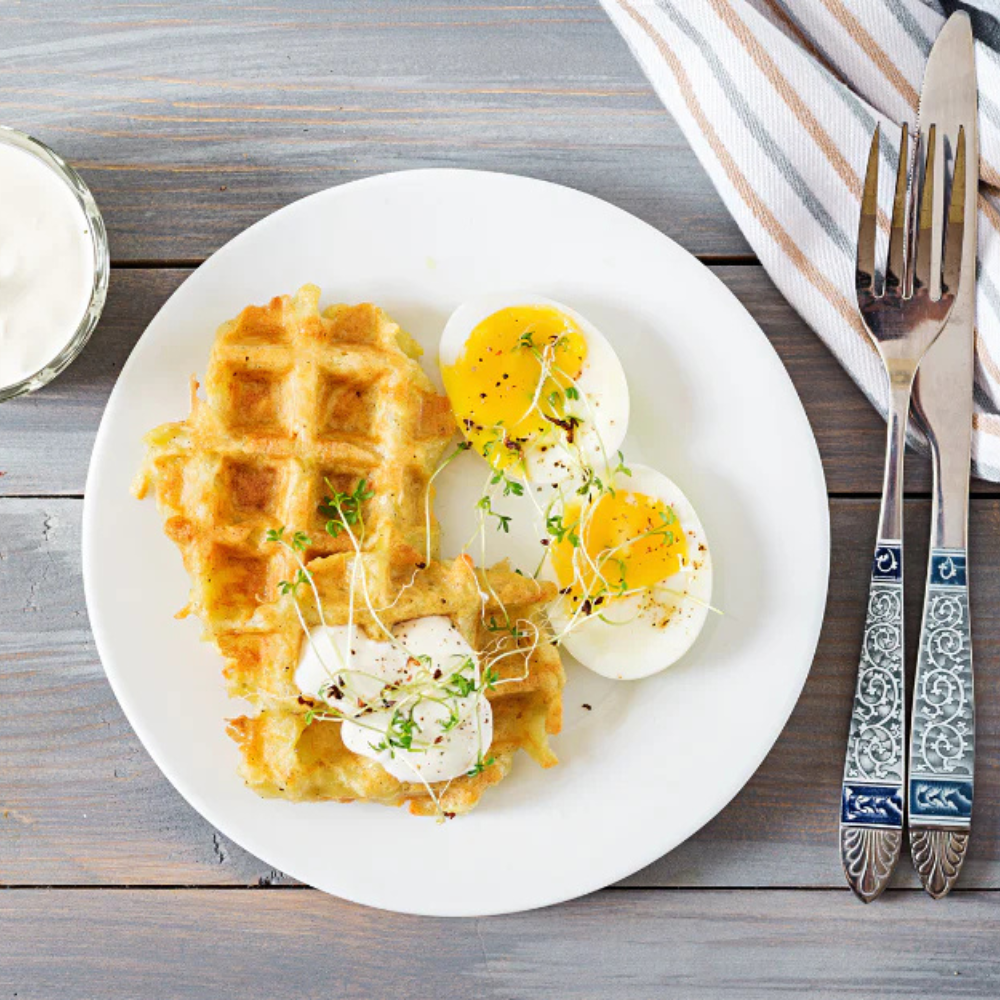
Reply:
x=942 y=739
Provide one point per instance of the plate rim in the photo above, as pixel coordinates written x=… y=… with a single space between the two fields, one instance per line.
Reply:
x=247 y=840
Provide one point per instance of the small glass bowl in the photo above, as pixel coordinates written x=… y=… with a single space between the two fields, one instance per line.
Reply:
x=99 y=239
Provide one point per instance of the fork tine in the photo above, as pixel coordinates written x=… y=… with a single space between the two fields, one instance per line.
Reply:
x=897 y=234
x=865 y=267
x=954 y=236
x=930 y=224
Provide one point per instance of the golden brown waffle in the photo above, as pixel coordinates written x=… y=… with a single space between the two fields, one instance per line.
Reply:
x=282 y=756
x=296 y=403
x=294 y=400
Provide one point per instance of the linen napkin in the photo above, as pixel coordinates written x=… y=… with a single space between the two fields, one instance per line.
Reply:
x=779 y=100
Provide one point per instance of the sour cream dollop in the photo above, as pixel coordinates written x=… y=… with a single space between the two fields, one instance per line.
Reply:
x=46 y=264
x=423 y=688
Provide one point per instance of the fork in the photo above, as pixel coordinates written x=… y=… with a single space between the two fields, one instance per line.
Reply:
x=904 y=314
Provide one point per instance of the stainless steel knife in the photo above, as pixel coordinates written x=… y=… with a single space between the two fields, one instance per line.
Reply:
x=942 y=738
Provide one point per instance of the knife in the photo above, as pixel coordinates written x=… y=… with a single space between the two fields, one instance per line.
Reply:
x=942 y=739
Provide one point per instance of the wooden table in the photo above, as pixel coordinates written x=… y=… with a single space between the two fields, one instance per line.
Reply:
x=192 y=120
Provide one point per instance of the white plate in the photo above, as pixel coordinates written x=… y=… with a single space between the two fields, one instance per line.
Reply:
x=712 y=407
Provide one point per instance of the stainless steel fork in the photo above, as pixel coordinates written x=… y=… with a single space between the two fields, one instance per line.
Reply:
x=904 y=314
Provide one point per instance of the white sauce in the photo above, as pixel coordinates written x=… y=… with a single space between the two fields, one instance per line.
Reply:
x=359 y=668
x=46 y=264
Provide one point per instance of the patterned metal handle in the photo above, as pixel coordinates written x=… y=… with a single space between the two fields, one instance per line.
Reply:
x=871 y=816
x=942 y=744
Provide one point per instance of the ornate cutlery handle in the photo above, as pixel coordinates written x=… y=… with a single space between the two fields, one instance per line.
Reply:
x=942 y=744
x=871 y=815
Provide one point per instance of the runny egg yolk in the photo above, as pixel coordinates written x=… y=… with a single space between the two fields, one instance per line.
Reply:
x=627 y=542
x=494 y=384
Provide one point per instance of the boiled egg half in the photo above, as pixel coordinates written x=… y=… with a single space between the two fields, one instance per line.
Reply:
x=634 y=572
x=536 y=388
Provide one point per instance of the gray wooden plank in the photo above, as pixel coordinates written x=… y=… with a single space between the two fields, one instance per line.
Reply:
x=46 y=438
x=617 y=944
x=81 y=803
x=192 y=120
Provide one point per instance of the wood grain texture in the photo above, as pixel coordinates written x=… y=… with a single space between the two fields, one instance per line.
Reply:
x=623 y=945
x=46 y=438
x=81 y=803
x=192 y=120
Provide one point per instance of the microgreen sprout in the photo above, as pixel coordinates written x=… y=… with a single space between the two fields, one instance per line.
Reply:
x=559 y=530
x=481 y=766
x=503 y=520
x=459 y=448
x=592 y=483
x=298 y=541
x=510 y=486
x=460 y=684
x=292 y=586
x=343 y=510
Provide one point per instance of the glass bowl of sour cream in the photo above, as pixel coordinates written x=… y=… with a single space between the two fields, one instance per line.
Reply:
x=53 y=264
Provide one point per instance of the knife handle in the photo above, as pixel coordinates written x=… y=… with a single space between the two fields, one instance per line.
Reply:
x=871 y=811
x=942 y=743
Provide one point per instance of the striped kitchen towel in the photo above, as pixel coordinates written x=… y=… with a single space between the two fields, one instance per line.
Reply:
x=779 y=100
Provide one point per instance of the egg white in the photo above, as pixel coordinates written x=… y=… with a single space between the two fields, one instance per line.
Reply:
x=603 y=406
x=656 y=629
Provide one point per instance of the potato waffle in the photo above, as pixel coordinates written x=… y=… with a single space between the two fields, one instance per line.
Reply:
x=285 y=757
x=298 y=403
x=295 y=400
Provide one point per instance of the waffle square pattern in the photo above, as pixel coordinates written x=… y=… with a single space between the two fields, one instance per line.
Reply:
x=299 y=404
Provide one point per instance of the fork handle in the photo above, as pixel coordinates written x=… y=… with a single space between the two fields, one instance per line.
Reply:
x=942 y=744
x=871 y=812
x=871 y=803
